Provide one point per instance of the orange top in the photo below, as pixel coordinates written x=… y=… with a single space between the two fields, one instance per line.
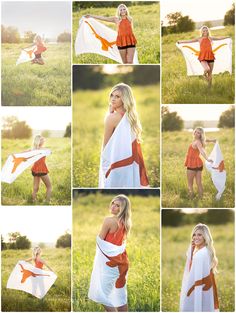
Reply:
x=206 y=52
x=125 y=35
x=117 y=237
x=40 y=166
x=40 y=48
x=38 y=264
x=193 y=159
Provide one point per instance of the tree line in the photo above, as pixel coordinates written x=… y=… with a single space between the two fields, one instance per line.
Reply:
x=78 y=5
x=10 y=34
x=17 y=241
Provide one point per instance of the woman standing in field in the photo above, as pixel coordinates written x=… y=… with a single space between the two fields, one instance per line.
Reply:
x=40 y=171
x=193 y=161
x=38 y=261
x=122 y=162
x=40 y=48
x=125 y=41
x=108 y=280
x=206 y=56
x=199 y=292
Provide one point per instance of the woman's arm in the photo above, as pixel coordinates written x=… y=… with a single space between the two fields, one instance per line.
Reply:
x=28 y=260
x=105 y=228
x=211 y=140
x=46 y=265
x=188 y=41
x=219 y=38
x=110 y=125
x=202 y=151
x=102 y=18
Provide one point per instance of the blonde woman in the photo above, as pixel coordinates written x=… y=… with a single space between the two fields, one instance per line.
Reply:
x=206 y=56
x=108 y=280
x=194 y=163
x=199 y=292
x=122 y=162
x=125 y=41
x=36 y=258
x=40 y=171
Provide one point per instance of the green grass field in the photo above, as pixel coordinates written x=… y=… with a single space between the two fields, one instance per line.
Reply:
x=59 y=165
x=89 y=110
x=146 y=30
x=31 y=84
x=174 y=179
x=58 y=298
x=175 y=242
x=142 y=248
x=179 y=88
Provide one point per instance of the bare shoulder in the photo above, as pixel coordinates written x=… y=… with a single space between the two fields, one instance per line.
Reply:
x=110 y=220
x=113 y=119
x=116 y=20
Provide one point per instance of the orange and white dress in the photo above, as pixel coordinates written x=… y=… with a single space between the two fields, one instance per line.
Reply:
x=40 y=168
x=125 y=37
x=193 y=160
x=206 y=53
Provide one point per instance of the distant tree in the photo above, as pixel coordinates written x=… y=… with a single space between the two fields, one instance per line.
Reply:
x=68 y=131
x=29 y=36
x=220 y=216
x=22 y=242
x=173 y=18
x=185 y=24
x=88 y=77
x=198 y=124
x=178 y=23
x=3 y=244
x=42 y=245
x=10 y=34
x=45 y=133
x=172 y=217
x=64 y=37
x=170 y=120
x=227 y=118
x=229 y=18
x=64 y=241
x=13 y=236
x=13 y=128
x=208 y=24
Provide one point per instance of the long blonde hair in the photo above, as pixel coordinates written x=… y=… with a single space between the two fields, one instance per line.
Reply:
x=208 y=243
x=203 y=136
x=127 y=10
x=36 y=141
x=201 y=30
x=130 y=108
x=124 y=216
x=36 y=251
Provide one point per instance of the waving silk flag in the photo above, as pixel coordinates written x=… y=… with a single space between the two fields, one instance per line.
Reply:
x=31 y=279
x=95 y=37
x=217 y=170
x=26 y=55
x=222 y=50
x=198 y=292
x=18 y=162
x=122 y=163
x=108 y=280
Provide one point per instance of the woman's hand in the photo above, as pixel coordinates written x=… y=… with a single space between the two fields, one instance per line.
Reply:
x=209 y=160
x=87 y=16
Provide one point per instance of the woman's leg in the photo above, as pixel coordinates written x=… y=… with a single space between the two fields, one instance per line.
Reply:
x=123 y=54
x=190 y=176
x=109 y=308
x=48 y=185
x=206 y=69
x=40 y=61
x=130 y=55
x=211 y=65
x=199 y=183
x=36 y=183
x=123 y=308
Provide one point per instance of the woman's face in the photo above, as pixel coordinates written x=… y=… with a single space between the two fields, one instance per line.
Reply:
x=115 y=207
x=205 y=32
x=115 y=99
x=197 y=134
x=41 y=142
x=198 y=239
x=123 y=11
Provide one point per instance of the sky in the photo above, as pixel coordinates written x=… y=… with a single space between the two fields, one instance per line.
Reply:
x=39 y=224
x=40 y=118
x=198 y=10
x=199 y=112
x=47 y=19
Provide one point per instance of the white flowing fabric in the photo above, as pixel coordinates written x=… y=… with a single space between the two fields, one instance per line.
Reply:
x=222 y=50
x=218 y=173
x=121 y=162
x=107 y=285
x=18 y=162
x=198 y=292
x=31 y=279
x=26 y=55
x=95 y=37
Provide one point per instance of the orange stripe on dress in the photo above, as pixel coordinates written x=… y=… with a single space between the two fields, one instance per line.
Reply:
x=221 y=166
x=196 y=52
x=105 y=43
x=208 y=282
x=135 y=157
x=27 y=274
